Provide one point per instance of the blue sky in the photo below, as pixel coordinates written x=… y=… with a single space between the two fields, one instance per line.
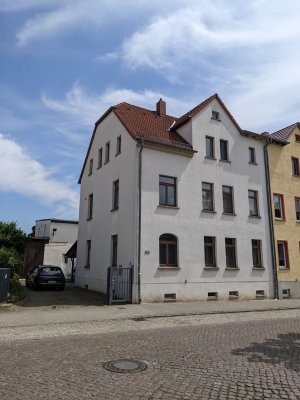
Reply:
x=64 y=62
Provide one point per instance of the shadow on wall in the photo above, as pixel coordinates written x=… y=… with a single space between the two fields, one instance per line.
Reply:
x=284 y=350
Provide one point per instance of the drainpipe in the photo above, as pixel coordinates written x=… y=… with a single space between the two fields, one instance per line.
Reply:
x=268 y=186
x=140 y=220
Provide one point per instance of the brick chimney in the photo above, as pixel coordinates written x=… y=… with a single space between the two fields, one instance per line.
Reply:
x=161 y=108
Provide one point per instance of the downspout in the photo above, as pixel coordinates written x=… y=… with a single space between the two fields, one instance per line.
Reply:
x=140 y=220
x=268 y=186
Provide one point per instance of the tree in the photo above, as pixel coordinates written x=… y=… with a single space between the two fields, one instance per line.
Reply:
x=12 y=246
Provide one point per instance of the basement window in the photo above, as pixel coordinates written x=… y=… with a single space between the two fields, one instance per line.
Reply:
x=212 y=296
x=170 y=296
x=286 y=293
x=260 y=294
x=233 y=294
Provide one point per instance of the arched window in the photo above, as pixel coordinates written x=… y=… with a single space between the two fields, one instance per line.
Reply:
x=168 y=250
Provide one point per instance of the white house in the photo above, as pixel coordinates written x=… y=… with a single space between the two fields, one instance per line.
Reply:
x=182 y=199
x=59 y=236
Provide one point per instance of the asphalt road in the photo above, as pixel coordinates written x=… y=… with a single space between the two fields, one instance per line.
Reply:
x=231 y=356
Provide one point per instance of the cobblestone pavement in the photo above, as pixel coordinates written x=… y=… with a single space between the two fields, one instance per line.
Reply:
x=226 y=356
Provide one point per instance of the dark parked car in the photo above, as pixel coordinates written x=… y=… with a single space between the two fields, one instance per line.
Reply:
x=48 y=276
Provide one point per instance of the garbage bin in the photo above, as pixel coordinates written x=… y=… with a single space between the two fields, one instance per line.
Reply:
x=4 y=284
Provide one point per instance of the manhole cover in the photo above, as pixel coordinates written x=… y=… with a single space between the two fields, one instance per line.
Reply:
x=125 y=365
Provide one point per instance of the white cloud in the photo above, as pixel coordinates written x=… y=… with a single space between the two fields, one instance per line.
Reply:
x=22 y=174
x=84 y=15
x=87 y=108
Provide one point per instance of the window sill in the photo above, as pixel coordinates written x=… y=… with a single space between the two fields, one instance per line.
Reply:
x=209 y=211
x=226 y=161
x=284 y=268
x=171 y=207
x=207 y=268
x=168 y=267
x=90 y=173
x=279 y=219
x=99 y=167
x=114 y=209
x=87 y=267
x=106 y=162
x=210 y=158
x=296 y=176
x=252 y=163
x=225 y=213
x=232 y=269
x=254 y=216
x=216 y=119
x=89 y=219
x=117 y=154
x=258 y=268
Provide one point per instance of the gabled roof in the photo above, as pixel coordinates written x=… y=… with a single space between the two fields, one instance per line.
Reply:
x=283 y=134
x=186 y=117
x=147 y=124
x=143 y=124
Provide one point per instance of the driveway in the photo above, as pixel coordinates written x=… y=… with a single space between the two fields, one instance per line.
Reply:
x=71 y=296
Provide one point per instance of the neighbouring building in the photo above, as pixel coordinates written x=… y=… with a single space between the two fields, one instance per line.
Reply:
x=182 y=199
x=284 y=155
x=52 y=238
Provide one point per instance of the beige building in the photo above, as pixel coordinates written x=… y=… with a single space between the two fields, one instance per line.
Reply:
x=284 y=168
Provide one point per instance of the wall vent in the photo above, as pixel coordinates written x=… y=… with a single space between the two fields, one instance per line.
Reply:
x=212 y=296
x=233 y=294
x=286 y=293
x=170 y=296
x=260 y=294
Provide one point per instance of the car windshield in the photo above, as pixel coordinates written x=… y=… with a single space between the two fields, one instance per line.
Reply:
x=50 y=270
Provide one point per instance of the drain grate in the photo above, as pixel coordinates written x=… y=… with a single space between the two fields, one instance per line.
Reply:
x=125 y=366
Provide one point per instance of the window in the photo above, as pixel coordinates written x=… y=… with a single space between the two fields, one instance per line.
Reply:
x=278 y=206
x=223 y=150
x=297 y=208
x=283 y=255
x=215 y=115
x=88 y=253
x=295 y=166
x=168 y=250
x=297 y=138
x=118 y=149
x=107 y=148
x=91 y=167
x=207 y=196
x=227 y=199
x=100 y=158
x=230 y=253
x=114 y=250
x=167 y=191
x=210 y=251
x=210 y=146
x=90 y=207
x=115 y=204
x=256 y=253
x=253 y=203
x=252 y=156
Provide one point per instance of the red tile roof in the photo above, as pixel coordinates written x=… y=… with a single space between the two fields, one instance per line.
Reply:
x=283 y=134
x=142 y=123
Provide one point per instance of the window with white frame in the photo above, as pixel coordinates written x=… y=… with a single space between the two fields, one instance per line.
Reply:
x=253 y=203
x=278 y=206
x=256 y=253
x=230 y=249
x=283 y=254
x=209 y=147
x=210 y=251
x=207 y=196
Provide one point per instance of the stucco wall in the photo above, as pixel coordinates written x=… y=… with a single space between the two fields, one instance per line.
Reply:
x=105 y=222
x=283 y=182
x=189 y=224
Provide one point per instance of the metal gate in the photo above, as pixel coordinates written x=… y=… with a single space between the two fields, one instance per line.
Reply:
x=119 y=285
x=4 y=284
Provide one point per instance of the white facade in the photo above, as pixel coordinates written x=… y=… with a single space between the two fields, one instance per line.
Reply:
x=62 y=235
x=190 y=280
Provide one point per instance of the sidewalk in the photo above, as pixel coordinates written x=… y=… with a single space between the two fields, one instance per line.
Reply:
x=73 y=314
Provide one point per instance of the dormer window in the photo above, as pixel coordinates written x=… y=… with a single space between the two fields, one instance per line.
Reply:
x=215 y=115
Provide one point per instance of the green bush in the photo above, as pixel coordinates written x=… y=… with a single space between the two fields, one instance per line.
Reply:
x=17 y=291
